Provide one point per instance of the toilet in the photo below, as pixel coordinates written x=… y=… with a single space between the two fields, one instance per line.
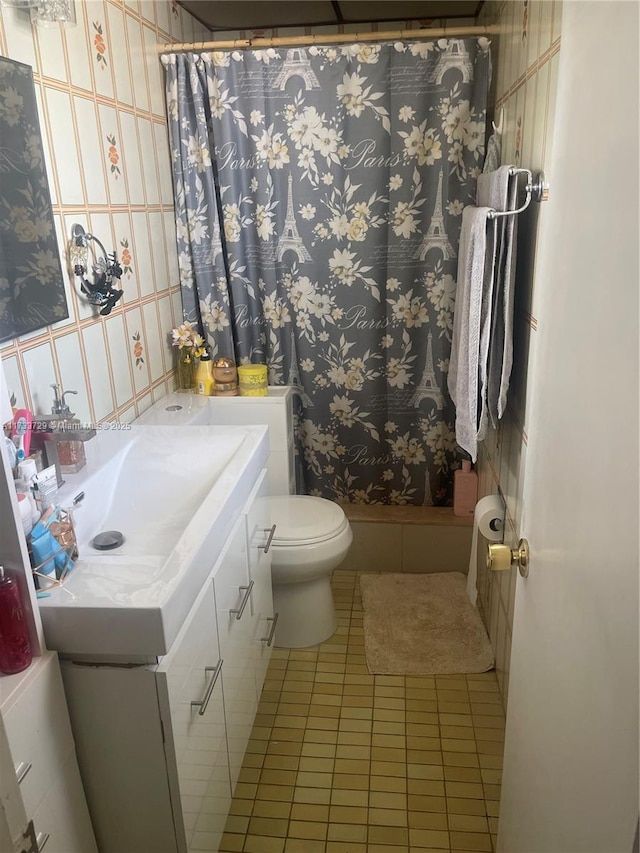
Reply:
x=312 y=537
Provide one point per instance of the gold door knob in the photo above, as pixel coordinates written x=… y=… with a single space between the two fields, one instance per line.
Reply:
x=501 y=557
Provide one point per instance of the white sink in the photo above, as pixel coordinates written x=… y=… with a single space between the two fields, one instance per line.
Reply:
x=174 y=495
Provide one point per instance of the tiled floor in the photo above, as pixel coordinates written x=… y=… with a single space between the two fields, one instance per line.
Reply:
x=341 y=761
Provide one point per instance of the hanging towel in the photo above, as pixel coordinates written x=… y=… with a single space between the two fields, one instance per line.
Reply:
x=500 y=355
x=494 y=190
x=463 y=378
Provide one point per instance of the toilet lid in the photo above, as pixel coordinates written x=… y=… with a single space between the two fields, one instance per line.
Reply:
x=303 y=520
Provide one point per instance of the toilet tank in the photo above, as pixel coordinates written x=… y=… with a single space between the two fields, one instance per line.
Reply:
x=183 y=408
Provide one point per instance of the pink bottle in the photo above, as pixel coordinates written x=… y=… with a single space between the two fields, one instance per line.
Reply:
x=15 y=651
x=465 y=490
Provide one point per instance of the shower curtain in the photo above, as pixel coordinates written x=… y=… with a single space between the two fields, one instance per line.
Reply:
x=318 y=195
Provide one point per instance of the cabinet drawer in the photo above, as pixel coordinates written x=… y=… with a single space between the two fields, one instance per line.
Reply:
x=39 y=733
x=61 y=821
x=192 y=708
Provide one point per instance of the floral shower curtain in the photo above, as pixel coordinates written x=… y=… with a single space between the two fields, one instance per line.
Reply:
x=319 y=194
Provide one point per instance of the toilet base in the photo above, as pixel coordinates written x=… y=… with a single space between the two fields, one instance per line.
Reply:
x=306 y=611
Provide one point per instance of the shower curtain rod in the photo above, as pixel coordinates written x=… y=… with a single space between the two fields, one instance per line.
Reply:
x=337 y=38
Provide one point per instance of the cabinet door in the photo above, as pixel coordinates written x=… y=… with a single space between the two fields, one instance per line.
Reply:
x=192 y=709
x=258 y=532
x=61 y=821
x=234 y=595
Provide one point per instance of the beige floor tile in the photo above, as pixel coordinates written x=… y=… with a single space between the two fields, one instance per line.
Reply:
x=341 y=761
x=263 y=844
x=471 y=841
x=270 y=808
x=388 y=835
x=347 y=832
x=308 y=829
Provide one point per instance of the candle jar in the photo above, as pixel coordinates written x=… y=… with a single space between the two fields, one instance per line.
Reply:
x=253 y=380
x=224 y=371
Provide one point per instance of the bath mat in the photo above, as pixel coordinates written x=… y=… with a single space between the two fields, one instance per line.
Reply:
x=422 y=624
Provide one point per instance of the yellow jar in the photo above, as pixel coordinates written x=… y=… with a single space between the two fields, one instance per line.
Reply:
x=253 y=380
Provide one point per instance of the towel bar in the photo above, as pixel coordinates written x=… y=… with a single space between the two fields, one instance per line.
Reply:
x=537 y=190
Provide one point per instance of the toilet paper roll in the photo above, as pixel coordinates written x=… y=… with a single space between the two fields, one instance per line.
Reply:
x=488 y=519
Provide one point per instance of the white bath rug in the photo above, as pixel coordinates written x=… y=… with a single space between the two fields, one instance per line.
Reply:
x=422 y=624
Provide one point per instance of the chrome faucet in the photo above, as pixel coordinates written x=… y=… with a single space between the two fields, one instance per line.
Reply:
x=59 y=406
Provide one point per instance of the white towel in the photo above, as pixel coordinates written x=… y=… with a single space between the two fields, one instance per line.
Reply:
x=493 y=190
x=463 y=376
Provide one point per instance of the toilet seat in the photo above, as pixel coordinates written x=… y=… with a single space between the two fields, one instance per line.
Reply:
x=305 y=520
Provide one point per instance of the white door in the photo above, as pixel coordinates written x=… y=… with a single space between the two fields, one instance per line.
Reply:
x=571 y=755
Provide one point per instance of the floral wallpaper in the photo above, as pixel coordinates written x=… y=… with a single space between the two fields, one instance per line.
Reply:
x=319 y=194
x=31 y=284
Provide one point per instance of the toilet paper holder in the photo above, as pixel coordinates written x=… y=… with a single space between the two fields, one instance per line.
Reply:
x=501 y=557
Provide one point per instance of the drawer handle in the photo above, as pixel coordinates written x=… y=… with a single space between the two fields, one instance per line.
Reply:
x=202 y=704
x=247 y=594
x=41 y=840
x=272 y=532
x=274 y=621
x=22 y=771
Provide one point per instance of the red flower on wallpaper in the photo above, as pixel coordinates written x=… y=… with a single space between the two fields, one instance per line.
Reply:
x=138 y=350
x=113 y=156
x=100 y=46
x=125 y=257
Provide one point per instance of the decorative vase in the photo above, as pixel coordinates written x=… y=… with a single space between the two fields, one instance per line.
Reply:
x=186 y=371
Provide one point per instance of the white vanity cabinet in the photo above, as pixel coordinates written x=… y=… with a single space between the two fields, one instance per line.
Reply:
x=37 y=735
x=160 y=744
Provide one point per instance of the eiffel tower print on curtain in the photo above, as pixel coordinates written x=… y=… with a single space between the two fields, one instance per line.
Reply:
x=293 y=379
x=296 y=64
x=290 y=239
x=428 y=387
x=455 y=55
x=436 y=236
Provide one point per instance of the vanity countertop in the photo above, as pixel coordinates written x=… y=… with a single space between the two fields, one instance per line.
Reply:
x=175 y=495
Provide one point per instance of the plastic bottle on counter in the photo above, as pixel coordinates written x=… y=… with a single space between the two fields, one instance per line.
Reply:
x=465 y=490
x=15 y=649
x=204 y=375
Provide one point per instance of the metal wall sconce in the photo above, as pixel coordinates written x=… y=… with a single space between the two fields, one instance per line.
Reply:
x=106 y=271
x=47 y=13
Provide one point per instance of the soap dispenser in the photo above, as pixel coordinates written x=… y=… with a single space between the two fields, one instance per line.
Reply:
x=465 y=490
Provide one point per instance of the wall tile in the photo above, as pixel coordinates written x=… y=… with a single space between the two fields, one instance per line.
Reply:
x=65 y=150
x=138 y=63
x=18 y=34
x=40 y=374
x=148 y=158
x=163 y=13
x=530 y=120
x=137 y=348
x=80 y=49
x=557 y=20
x=14 y=383
x=154 y=344
x=44 y=134
x=120 y=54
x=100 y=47
x=540 y=115
x=72 y=375
x=172 y=250
x=62 y=248
x=166 y=324
x=164 y=162
x=128 y=415
x=546 y=25
x=51 y=50
x=94 y=342
x=119 y=359
x=154 y=71
x=113 y=154
x=148 y=11
x=533 y=31
x=124 y=244
x=142 y=251
x=158 y=250
x=132 y=158
x=92 y=162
